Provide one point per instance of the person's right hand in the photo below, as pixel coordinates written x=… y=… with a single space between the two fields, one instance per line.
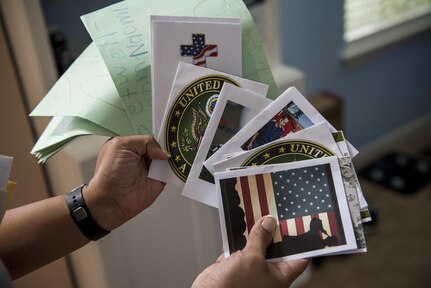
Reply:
x=248 y=267
x=120 y=188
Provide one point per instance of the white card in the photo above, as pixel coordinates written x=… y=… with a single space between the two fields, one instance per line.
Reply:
x=271 y=124
x=306 y=197
x=343 y=145
x=235 y=108
x=316 y=141
x=313 y=142
x=191 y=102
x=205 y=41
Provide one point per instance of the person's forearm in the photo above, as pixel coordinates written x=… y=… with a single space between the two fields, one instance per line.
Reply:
x=37 y=234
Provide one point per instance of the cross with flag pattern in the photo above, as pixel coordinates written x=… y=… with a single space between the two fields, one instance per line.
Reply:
x=295 y=196
x=199 y=50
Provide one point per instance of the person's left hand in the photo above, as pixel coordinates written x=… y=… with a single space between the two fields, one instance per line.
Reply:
x=248 y=267
x=120 y=188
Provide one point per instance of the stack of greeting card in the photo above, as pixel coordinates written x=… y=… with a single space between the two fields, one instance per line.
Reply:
x=114 y=86
x=234 y=149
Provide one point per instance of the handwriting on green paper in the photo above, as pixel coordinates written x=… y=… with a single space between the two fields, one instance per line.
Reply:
x=122 y=34
x=127 y=57
x=86 y=90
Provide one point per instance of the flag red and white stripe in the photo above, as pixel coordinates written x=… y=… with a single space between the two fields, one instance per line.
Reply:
x=257 y=198
x=208 y=51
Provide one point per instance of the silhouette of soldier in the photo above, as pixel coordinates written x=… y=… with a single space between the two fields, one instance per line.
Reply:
x=310 y=240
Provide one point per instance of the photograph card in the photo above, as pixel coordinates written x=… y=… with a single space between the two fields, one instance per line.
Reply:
x=289 y=113
x=212 y=42
x=235 y=108
x=342 y=144
x=349 y=181
x=307 y=198
x=191 y=103
x=316 y=141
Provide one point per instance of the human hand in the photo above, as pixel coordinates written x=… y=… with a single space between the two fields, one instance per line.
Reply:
x=248 y=267
x=120 y=188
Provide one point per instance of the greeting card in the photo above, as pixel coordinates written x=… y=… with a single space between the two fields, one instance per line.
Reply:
x=191 y=103
x=203 y=41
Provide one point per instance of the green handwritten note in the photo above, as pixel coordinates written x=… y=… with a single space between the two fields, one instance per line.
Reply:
x=122 y=34
x=60 y=131
x=86 y=90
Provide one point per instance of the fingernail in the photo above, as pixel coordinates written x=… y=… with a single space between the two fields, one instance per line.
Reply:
x=269 y=223
x=166 y=153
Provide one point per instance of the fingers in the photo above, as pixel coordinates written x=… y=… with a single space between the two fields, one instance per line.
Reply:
x=156 y=186
x=298 y=266
x=289 y=270
x=261 y=235
x=141 y=145
x=154 y=151
x=220 y=258
x=102 y=152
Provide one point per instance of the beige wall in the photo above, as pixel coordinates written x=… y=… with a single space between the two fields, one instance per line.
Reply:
x=16 y=140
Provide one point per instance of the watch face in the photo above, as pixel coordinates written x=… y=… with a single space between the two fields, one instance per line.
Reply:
x=79 y=214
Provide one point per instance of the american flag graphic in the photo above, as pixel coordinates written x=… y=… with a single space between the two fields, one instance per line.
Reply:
x=294 y=196
x=199 y=50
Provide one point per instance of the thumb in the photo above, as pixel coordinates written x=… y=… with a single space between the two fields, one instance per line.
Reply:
x=261 y=235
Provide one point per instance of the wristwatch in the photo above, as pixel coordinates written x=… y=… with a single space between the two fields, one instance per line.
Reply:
x=82 y=216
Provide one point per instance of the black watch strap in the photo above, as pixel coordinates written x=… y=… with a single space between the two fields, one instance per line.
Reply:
x=82 y=216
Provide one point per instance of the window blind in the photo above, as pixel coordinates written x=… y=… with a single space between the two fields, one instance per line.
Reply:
x=365 y=17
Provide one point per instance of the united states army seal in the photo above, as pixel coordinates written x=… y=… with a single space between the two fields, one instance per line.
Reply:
x=287 y=151
x=188 y=118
